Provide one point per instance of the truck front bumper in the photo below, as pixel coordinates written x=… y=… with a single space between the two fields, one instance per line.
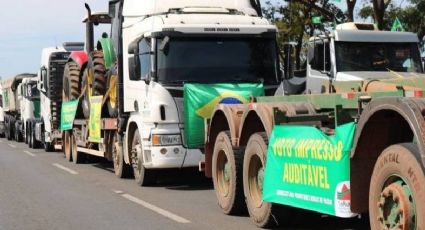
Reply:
x=171 y=157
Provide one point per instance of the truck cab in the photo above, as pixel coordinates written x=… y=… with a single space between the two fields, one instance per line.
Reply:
x=29 y=98
x=46 y=129
x=167 y=44
x=356 y=51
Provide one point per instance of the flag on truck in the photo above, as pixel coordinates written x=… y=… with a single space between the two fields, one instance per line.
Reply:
x=201 y=99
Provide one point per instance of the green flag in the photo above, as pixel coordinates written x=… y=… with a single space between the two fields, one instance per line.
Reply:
x=316 y=20
x=397 y=26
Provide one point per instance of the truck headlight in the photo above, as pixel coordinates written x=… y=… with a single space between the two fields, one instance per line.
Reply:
x=160 y=139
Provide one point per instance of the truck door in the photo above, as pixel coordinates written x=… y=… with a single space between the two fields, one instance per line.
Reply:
x=319 y=65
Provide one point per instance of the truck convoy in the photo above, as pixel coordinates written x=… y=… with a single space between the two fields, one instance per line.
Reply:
x=354 y=143
x=12 y=105
x=45 y=130
x=140 y=71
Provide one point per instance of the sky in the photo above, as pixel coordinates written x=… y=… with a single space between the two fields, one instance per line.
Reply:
x=27 y=26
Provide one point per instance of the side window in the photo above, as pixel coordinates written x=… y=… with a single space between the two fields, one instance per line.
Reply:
x=145 y=58
x=322 y=57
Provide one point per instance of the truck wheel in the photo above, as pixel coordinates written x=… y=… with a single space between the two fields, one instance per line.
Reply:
x=48 y=146
x=121 y=169
x=263 y=214
x=227 y=175
x=396 y=194
x=77 y=157
x=10 y=130
x=17 y=133
x=34 y=142
x=67 y=145
x=112 y=102
x=26 y=134
x=142 y=175
x=30 y=141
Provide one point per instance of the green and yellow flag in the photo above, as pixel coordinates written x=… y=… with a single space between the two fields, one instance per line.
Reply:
x=201 y=99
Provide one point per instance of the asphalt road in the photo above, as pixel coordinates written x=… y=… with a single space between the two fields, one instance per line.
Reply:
x=40 y=190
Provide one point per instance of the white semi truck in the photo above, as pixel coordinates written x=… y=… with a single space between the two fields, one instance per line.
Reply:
x=45 y=130
x=29 y=98
x=155 y=48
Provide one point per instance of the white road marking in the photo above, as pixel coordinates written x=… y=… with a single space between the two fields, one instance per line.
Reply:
x=65 y=168
x=29 y=153
x=154 y=208
x=13 y=146
x=1 y=141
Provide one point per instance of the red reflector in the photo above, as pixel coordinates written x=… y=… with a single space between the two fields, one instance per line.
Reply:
x=419 y=93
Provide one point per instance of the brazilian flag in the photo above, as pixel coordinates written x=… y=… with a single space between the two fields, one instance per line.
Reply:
x=201 y=99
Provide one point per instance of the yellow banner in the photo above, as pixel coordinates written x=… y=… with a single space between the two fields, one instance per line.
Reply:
x=94 y=122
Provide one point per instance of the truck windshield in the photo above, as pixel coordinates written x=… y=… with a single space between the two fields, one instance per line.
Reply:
x=360 y=56
x=218 y=60
x=32 y=91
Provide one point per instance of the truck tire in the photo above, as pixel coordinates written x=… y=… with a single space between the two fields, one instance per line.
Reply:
x=142 y=175
x=227 y=175
x=35 y=144
x=48 y=146
x=263 y=214
x=30 y=140
x=396 y=194
x=17 y=132
x=67 y=145
x=77 y=157
x=26 y=132
x=121 y=169
x=112 y=102
x=10 y=129
x=85 y=103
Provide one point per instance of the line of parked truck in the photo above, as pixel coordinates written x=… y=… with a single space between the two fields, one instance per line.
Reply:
x=199 y=84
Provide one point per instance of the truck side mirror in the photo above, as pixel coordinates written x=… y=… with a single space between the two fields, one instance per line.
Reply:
x=134 y=67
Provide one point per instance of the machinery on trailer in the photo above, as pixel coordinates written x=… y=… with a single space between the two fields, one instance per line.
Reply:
x=11 y=103
x=45 y=131
x=354 y=145
x=154 y=49
x=29 y=98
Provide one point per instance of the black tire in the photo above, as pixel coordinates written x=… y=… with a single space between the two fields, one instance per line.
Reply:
x=26 y=132
x=263 y=214
x=10 y=129
x=121 y=169
x=67 y=145
x=30 y=140
x=18 y=133
x=71 y=81
x=95 y=69
x=112 y=104
x=227 y=175
x=48 y=146
x=77 y=157
x=34 y=142
x=142 y=175
x=396 y=186
x=99 y=73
